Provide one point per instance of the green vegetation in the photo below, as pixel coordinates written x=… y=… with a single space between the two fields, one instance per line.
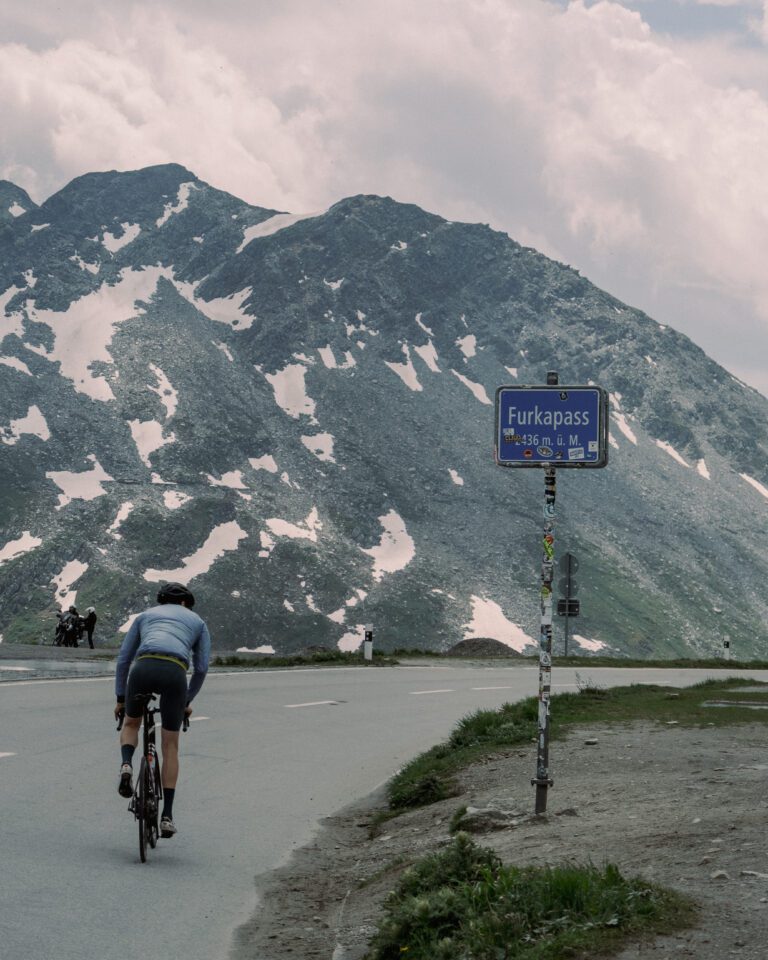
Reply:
x=462 y=903
x=314 y=657
x=429 y=777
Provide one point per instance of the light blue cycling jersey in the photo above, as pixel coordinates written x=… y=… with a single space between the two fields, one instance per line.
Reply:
x=169 y=630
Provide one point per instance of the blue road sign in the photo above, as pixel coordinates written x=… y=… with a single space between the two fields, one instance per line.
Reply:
x=552 y=426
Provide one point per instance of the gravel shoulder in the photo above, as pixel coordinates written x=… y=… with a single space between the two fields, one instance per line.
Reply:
x=682 y=807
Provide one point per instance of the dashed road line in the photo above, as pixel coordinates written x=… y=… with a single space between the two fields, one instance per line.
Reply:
x=493 y=688
x=314 y=703
x=7 y=755
x=419 y=693
x=195 y=719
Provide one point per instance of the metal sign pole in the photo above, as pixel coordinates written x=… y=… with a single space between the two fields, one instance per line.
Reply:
x=542 y=780
x=568 y=598
x=551 y=427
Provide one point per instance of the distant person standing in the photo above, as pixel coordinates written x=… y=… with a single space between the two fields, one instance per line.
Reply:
x=89 y=622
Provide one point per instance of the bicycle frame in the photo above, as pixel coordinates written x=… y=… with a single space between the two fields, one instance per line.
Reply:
x=151 y=788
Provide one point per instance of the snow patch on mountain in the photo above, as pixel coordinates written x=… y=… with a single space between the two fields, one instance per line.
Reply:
x=587 y=644
x=84 y=265
x=668 y=448
x=756 y=484
x=333 y=284
x=459 y=481
x=16 y=548
x=13 y=324
x=267 y=462
x=406 y=371
x=129 y=234
x=168 y=396
x=321 y=445
x=64 y=580
x=122 y=515
x=467 y=345
x=173 y=499
x=488 y=620
x=478 y=390
x=148 y=437
x=182 y=202
x=16 y=209
x=225 y=350
x=228 y=310
x=291 y=392
x=224 y=537
x=271 y=226
x=307 y=531
x=233 y=480
x=32 y=424
x=701 y=468
x=83 y=332
x=428 y=354
x=621 y=422
x=39 y=226
x=86 y=485
x=395 y=549
x=352 y=639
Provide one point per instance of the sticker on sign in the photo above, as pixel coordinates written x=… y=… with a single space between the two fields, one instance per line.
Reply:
x=552 y=426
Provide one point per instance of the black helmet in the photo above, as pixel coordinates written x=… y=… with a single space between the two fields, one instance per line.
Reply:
x=175 y=593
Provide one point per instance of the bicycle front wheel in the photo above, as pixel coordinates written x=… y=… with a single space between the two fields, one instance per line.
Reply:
x=142 y=809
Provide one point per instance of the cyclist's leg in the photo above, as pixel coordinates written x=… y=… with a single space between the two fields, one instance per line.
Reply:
x=170 y=772
x=139 y=682
x=173 y=701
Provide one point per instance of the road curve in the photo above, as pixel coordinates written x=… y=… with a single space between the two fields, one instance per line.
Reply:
x=270 y=754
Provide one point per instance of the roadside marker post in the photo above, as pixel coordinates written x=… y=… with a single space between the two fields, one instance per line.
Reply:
x=568 y=607
x=550 y=427
x=368 y=642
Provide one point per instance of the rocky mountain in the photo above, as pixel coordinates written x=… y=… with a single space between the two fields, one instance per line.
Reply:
x=294 y=415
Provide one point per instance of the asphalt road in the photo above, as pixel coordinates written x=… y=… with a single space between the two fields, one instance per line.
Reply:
x=270 y=753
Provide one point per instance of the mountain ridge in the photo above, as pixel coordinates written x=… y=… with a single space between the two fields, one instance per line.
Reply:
x=316 y=392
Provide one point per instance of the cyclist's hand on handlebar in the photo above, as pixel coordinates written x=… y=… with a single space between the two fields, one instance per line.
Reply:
x=187 y=712
x=119 y=710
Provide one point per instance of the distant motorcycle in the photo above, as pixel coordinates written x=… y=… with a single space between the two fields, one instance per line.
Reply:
x=69 y=629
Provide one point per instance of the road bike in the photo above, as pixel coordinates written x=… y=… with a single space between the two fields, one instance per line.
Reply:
x=148 y=789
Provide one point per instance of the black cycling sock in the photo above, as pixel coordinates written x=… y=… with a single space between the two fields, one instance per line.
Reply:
x=126 y=750
x=168 y=795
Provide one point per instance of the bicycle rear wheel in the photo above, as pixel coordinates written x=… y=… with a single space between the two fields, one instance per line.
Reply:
x=142 y=809
x=156 y=793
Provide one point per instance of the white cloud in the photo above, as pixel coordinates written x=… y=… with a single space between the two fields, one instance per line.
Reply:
x=636 y=156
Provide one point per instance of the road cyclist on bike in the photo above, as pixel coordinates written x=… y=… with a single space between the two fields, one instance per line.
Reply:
x=158 y=650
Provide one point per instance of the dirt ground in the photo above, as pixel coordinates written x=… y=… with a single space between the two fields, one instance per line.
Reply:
x=686 y=808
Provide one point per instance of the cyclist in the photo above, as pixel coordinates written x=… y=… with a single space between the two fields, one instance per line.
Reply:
x=160 y=644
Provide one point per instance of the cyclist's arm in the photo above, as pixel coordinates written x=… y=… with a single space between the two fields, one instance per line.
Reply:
x=201 y=656
x=128 y=650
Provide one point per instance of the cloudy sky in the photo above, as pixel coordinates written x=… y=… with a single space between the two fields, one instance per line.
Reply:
x=628 y=139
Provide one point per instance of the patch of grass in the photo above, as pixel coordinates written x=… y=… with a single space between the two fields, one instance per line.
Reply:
x=430 y=776
x=327 y=657
x=464 y=904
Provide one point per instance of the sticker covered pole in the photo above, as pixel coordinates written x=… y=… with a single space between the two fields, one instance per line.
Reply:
x=542 y=780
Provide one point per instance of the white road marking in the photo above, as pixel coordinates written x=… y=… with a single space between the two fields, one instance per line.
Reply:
x=418 y=693
x=314 y=703
x=11 y=684
x=493 y=688
x=7 y=755
x=17 y=669
x=195 y=719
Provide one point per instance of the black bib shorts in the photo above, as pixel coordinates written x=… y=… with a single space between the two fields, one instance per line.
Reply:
x=164 y=677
